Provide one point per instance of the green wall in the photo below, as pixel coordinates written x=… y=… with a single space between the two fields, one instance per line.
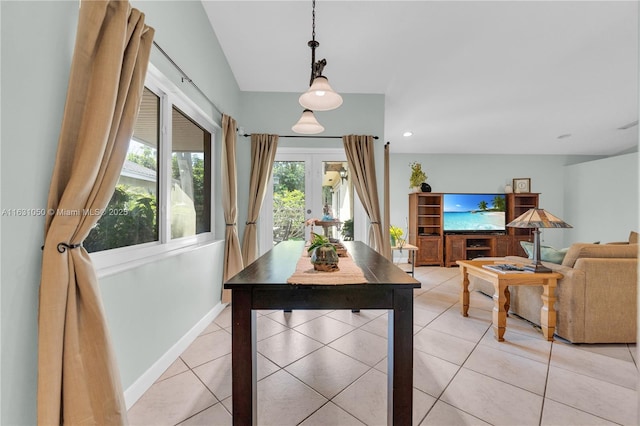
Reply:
x=37 y=44
x=184 y=33
x=148 y=307
x=151 y=307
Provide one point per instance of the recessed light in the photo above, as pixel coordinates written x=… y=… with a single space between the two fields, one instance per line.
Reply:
x=407 y=134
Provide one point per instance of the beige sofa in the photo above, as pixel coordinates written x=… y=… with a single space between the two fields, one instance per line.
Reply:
x=596 y=300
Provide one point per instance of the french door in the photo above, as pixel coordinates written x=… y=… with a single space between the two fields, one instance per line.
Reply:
x=307 y=185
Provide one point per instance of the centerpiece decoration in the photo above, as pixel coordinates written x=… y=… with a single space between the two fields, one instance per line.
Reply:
x=418 y=177
x=324 y=256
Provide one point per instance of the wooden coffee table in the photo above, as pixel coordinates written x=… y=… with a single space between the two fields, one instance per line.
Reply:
x=501 y=297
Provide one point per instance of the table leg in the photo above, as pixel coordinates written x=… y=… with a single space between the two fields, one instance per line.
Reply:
x=499 y=313
x=243 y=359
x=400 y=359
x=507 y=301
x=413 y=263
x=464 y=293
x=547 y=312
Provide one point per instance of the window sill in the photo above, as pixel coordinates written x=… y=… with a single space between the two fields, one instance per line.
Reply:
x=110 y=262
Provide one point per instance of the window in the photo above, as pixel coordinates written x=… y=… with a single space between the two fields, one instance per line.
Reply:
x=132 y=214
x=190 y=183
x=163 y=196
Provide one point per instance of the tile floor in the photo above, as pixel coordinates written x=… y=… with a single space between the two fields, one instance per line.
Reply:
x=329 y=368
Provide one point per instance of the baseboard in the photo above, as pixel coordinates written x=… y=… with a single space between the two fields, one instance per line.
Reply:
x=144 y=382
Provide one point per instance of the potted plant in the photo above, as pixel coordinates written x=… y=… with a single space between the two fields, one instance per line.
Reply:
x=395 y=233
x=324 y=255
x=417 y=176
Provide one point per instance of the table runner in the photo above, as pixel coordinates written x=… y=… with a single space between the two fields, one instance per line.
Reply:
x=349 y=273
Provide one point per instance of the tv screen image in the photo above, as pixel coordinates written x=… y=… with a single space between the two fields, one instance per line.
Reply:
x=474 y=213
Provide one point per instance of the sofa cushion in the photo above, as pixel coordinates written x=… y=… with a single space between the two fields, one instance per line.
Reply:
x=547 y=253
x=584 y=250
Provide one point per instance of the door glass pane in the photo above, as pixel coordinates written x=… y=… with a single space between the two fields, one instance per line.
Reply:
x=288 y=200
x=337 y=203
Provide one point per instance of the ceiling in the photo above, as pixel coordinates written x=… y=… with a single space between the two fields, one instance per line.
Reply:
x=510 y=77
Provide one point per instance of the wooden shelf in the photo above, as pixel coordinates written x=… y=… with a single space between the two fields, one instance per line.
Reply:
x=473 y=246
x=425 y=228
x=426 y=219
x=518 y=204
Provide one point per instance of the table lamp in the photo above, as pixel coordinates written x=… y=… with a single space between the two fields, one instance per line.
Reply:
x=536 y=219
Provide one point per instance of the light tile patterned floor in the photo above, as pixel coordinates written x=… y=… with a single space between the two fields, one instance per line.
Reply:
x=329 y=368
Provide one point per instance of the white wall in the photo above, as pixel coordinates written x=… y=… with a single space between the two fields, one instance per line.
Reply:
x=601 y=199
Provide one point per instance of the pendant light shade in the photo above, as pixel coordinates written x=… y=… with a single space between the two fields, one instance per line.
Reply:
x=320 y=96
x=307 y=124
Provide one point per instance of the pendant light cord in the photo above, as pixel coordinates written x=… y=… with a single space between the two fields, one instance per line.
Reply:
x=313 y=43
x=313 y=20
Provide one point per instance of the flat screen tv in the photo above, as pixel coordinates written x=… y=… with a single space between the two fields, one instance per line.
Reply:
x=474 y=213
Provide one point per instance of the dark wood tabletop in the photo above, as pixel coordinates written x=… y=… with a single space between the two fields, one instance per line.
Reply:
x=278 y=264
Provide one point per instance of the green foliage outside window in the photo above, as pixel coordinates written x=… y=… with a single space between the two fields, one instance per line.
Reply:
x=288 y=200
x=288 y=176
x=146 y=159
x=129 y=219
x=288 y=207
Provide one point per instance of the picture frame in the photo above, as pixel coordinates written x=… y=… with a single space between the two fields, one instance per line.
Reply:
x=521 y=185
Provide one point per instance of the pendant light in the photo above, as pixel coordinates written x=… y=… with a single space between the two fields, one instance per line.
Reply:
x=308 y=125
x=320 y=96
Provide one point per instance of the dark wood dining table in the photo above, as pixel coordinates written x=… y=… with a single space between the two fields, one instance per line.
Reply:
x=263 y=285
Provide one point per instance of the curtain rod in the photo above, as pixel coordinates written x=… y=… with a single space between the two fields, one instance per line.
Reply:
x=185 y=77
x=310 y=136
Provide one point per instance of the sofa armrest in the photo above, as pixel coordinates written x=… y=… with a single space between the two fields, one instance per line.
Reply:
x=610 y=299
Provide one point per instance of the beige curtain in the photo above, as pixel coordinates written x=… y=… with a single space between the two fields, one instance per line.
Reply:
x=78 y=379
x=232 y=253
x=360 y=155
x=387 y=207
x=263 y=152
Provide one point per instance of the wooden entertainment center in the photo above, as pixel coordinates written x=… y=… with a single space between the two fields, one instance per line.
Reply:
x=436 y=247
